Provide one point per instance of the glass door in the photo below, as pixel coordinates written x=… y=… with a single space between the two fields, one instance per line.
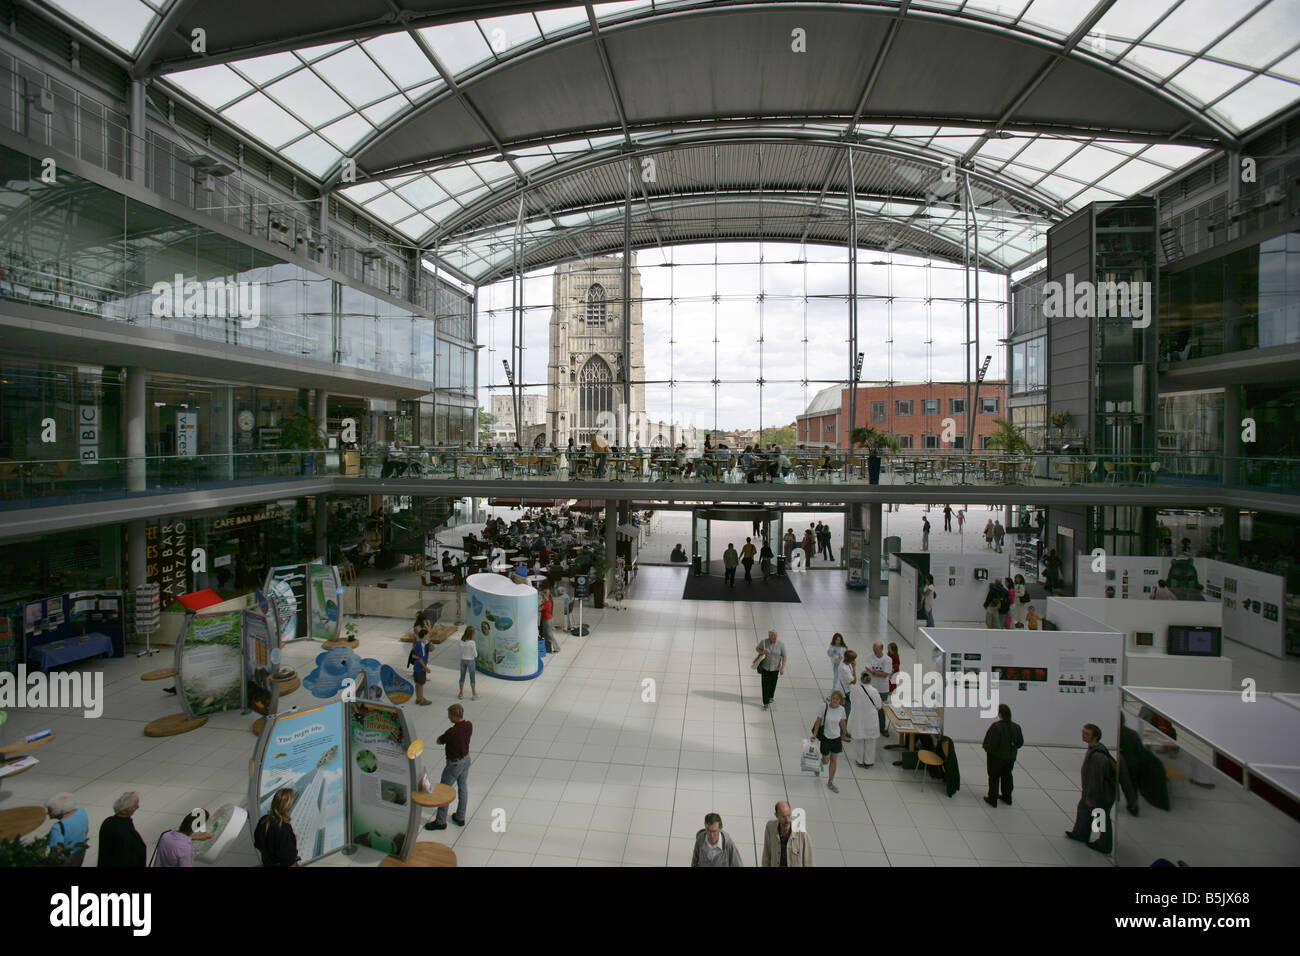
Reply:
x=700 y=540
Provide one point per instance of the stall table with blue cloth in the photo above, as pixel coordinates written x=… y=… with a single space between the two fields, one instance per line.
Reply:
x=65 y=650
x=71 y=627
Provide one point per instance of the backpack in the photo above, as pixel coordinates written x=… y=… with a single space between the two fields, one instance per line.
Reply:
x=1004 y=602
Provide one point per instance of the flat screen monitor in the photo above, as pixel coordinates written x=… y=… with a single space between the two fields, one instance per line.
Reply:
x=1189 y=640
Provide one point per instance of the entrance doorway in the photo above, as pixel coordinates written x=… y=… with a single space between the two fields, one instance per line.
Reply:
x=769 y=523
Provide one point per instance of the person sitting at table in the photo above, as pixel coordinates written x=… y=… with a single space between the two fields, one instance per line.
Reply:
x=679 y=555
x=600 y=446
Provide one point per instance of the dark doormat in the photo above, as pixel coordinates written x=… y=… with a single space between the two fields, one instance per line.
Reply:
x=713 y=587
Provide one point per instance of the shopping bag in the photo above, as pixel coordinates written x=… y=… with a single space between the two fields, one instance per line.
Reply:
x=810 y=761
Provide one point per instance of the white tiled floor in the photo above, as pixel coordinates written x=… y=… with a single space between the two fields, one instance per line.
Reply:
x=587 y=772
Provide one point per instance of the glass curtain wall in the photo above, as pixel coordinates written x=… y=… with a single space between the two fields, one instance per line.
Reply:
x=739 y=337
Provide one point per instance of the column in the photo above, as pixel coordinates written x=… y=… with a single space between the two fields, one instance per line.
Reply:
x=135 y=554
x=322 y=458
x=136 y=149
x=873 y=550
x=322 y=523
x=1231 y=536
x=611 y=534
x=1233 y=399
x=135 y=418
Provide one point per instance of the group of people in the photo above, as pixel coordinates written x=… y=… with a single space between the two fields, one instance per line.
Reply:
x=1006 y=605
x=120 y=844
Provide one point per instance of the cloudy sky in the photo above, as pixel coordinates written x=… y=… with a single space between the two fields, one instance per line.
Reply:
x=796 y=331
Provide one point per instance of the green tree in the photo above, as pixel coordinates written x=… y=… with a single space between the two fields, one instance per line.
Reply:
x=781 y=436
x=485 y=422
x=1010 y=438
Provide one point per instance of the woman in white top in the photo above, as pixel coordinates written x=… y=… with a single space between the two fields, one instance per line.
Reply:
x=847 y=677
x=830 y=728
x=836 y=653
x=864 y=725
x=468 y=663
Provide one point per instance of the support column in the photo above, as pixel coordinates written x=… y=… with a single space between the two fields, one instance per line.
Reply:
x=611 y=534
x=135 y=429
x=1231 y=536
x=322 y=523
x=873 y=550
x=136 y=150
x=1233 y=399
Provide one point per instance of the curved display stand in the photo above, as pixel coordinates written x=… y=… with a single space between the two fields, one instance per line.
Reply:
x=504 y=618
x=225 y=824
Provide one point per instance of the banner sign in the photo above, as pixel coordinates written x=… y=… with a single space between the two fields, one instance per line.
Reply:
x=260 y=692
x=209 y=663
x=305 y=750
x=382 y=779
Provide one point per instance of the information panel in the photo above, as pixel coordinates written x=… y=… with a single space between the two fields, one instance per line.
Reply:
x=305 y=750
x=382 y=779
x=209 y=663
x=323 y=601
x=504 y=618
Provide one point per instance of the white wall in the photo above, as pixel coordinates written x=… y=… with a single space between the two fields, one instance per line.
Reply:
x=1128 y=576
x=1240 y=589
x=902 y=601
x=1049 y=712
x=1151 y=666
x=964 y=600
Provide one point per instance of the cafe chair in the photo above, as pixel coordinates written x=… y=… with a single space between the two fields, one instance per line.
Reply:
x=52 y=471
x=1150 y=474
x=926 y=759
x=1112 y=473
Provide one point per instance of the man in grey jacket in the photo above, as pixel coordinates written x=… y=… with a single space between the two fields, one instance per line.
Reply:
x=1098 y=777
x=783 y=845
x=713 y=847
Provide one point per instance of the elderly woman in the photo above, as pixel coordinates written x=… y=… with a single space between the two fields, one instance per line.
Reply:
x=864 y=725
x=69 y=836
x=119 y=843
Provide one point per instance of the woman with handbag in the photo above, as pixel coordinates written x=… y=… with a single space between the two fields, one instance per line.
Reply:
x=831 y=730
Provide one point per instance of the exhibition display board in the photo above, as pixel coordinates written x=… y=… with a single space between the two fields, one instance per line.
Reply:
x=961 y=582
x=70 y=627
x=261 y=637
x=856 y=558
x=901 y=606
x=313 y=589
x=504 y=618
x=1053 y=681
x=347 y=764
x=223 y=660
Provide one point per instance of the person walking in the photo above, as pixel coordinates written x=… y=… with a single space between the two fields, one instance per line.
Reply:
x=808 y=546
x=713 y=846
x=1002 y=741
x=988 y=533
x=783 y=845
x=273 y=837
x=831 y=730
x=925 y=533
x=947 y=517
x=999 y=533
x=729 y=561
x=836 y=653
x=69 y=837
x=863 y=708
x=1010 y=587
x=1163 y=592
x=927 y=600
x=847 y=677
x=419 y=661
x=757 y=526
x=119 y=843
x=879 y=667
x=1052 y=571
x=772 y=666
x=455 y=742
x=995 y=604
x=545 y=613
x=961 y=521
x=765 y=559
x=176 y=847
x=895 y=665
x=826 y=551
x=747 y=559
x=788 y=544
x=469 y=662
x=1098 y=776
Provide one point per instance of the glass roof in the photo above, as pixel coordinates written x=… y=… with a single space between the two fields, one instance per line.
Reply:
x=1239 y=64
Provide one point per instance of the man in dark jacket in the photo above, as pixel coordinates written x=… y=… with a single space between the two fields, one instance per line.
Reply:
x=119 y=843
x=1130 y=763
x=996 y=604
x=1001 y=743
x=1098 y=777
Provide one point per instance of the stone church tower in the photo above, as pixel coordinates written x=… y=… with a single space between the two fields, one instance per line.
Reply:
x=587 y=366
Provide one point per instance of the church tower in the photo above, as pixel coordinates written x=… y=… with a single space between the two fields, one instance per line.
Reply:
x=587 y=366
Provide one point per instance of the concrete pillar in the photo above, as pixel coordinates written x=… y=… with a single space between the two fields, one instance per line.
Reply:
x=322 y=408
x=611 y=532
x=136 y=562
x=875 y=523
x=135 y=419
x=136 y=151
x=1233 y=399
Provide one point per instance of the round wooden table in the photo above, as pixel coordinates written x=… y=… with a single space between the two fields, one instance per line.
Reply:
x=442 y=796
x=424 y=854
x=161 y=674
x=19 y=747
x=330 y=645
x=173 y=724
x=21 y=821
x=289 y=685
x=258 y=725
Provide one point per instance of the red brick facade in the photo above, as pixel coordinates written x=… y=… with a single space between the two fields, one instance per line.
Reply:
x=830 y=429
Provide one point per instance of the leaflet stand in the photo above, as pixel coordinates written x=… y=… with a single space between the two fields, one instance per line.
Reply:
x=580 y=585
x=148 y=611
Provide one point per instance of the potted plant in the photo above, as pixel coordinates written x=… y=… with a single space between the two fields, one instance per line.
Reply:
x=301 y=432
x=14 y=852
x=875 y=441
x=1061 y=421
x=1010 y=438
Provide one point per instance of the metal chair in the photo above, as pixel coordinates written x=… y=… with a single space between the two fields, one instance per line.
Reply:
x=1149 y=475
x=1112 y=474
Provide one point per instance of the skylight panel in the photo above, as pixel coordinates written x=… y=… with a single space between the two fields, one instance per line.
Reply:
x=265 y=120
x=1055 y=16
x=458 y=46
x=390 y=208
x=1257 y=100
x=1205 y=81
x=355 y=75
x=1127 y=20
x=1195 y=24
x=313 y=154
x=1264 y=37
x=422 y=192
x=123 y=23
x=264 y=69
x=401 y=58
x=213 y=86
x=316 y=52
x=1132 y=177
x=608 y=11
x=416 y=226
x=506 y=33
x=1045 y=152
x=457 y=179
x=1090 y=164
x=1289 y=68
x=347 y=132
x=383 y=111
x=1006 y=10
x=362 y=192
x=559 y=21
x=1155 y=64
x=306 y=96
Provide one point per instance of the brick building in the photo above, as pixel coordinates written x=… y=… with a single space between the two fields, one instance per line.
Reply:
x=915 y=412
